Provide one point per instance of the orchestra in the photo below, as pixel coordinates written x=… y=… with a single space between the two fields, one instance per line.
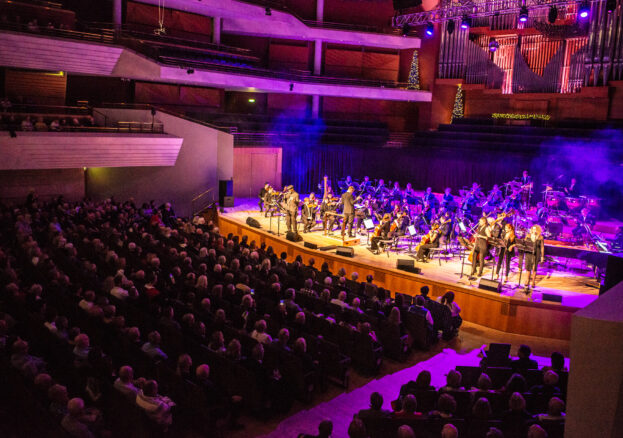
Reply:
x=490 y=225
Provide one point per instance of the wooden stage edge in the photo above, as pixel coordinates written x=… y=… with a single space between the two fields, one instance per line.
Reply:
x=489 y=309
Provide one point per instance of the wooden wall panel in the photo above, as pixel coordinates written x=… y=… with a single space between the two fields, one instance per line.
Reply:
x=255 y=166
x=291 y=105
x=480 y=307
x=289 y=56
x=210 y=97
x=147 y=92
x=36 y=87
x=176 y=22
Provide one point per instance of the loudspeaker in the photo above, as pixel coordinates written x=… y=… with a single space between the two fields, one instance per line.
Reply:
x=225 y=189
x=405 y=263
x=345 y=251
x=293 y=237
x=614 y=273
x=552 y=297
x=310 y=245
x=253 y=222
x=490 y=285
x=228 y=201
x=327 y=248
x=411 y=269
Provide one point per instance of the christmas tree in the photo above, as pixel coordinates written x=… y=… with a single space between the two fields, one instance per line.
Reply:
x=458 y=110
x=414 y=73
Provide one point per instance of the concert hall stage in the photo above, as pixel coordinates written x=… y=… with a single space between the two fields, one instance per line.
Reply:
x=511 y=310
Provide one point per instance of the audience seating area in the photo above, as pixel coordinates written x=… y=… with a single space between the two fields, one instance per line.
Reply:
x=514 y=397
x=94 y=287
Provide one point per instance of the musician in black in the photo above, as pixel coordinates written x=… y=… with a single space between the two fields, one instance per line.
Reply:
x=327 y=211
x=481 y=247
x=541 y=214
x=262 y=196
x=496 y=197
x=446 y=224
x=507 y=251
x=308 y=214
x=429 y=197
x=381 y=232
x=526 y=189
x=348 y=203
x=292 y=208
x=572 y=189
x=447 y=200
x=363 y=213
x=585 y=222
x=536 y=255
x=432 y=241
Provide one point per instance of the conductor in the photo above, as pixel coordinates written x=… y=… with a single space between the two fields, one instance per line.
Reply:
x=348 y=202
x=292 y=208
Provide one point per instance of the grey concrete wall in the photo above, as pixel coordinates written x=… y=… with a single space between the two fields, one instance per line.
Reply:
x=205 y=157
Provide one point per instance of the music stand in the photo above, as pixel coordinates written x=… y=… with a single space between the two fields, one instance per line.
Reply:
x=524 y=246
x=498 y=243
x=369 y=226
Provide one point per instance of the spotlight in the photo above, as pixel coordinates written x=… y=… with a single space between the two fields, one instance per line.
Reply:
x=523 y=14
x=430 y=29
x=268 y=11
x=190 y=71
x=406 y=29
x=584 y=9
x=552 y=15
x=291 y=87
x=251 y=100
x=611 y=5
x=450 y=27
x=466 y=22
x=493 y=45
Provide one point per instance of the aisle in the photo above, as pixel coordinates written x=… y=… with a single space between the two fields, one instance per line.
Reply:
x=340 y=410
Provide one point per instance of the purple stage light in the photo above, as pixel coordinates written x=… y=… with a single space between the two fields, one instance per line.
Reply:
x=430 y=29
x=584 y=9
x=583 y=14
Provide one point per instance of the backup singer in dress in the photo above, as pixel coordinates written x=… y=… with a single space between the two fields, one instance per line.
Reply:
x=481 y=247
x=536 y=256
x=507 y=251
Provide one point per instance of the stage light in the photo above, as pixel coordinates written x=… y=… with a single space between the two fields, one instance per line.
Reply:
x=190 y=71
x=251 y=100
x=465 y=22
x=268 y=11
x=406 y=29
x=430 y=29
x=552 y=15
x=450 y=27
x=493 y=45
x=523 y=14
x=584 y=9
x=611 y=5
x=291 y=87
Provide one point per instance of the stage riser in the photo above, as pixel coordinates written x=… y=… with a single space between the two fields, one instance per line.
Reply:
x=480 y=307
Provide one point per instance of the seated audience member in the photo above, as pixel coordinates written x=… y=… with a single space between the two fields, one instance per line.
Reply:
x=234 y=351
x=40 y=125
x=152 y=347
x=421 y=383
x=481 y=409
x=282 y=339
x=27 y=124
x=449 y=431
x=424 y=291
x=536 y=431
x=156 y=406
x=341 y=300
x=24 y=362
x=405 y=431
x=516 y=383
x=523 y=362
x=325 y=429
x=58 y=396
x=494 y=432
x=555 y=411
x=418 y=308
x=448 y=300
x=376 y=408
x=446 y=407
x=184 y=365
x=453 y=382
x=409 y=408
x=483 y=384
x=515 y=417
x=217 y=398
x=300 y=350
x=125 y=383
x=76 y=421
x=548 y=388
x=118 y=291
x=259 y=334
x=217 y=343
x=557 y=363
x=356 y=429
x=81 y=350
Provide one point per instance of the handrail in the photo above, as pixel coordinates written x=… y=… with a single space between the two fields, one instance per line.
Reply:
x=194 y=201
x=202 y=194
x=63 y=33
x=144 y=106
x=42 y=3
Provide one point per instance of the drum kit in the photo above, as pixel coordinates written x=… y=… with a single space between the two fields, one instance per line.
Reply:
x=561 y=208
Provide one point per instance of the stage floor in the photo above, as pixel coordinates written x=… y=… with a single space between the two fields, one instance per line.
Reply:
x=575 y=282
